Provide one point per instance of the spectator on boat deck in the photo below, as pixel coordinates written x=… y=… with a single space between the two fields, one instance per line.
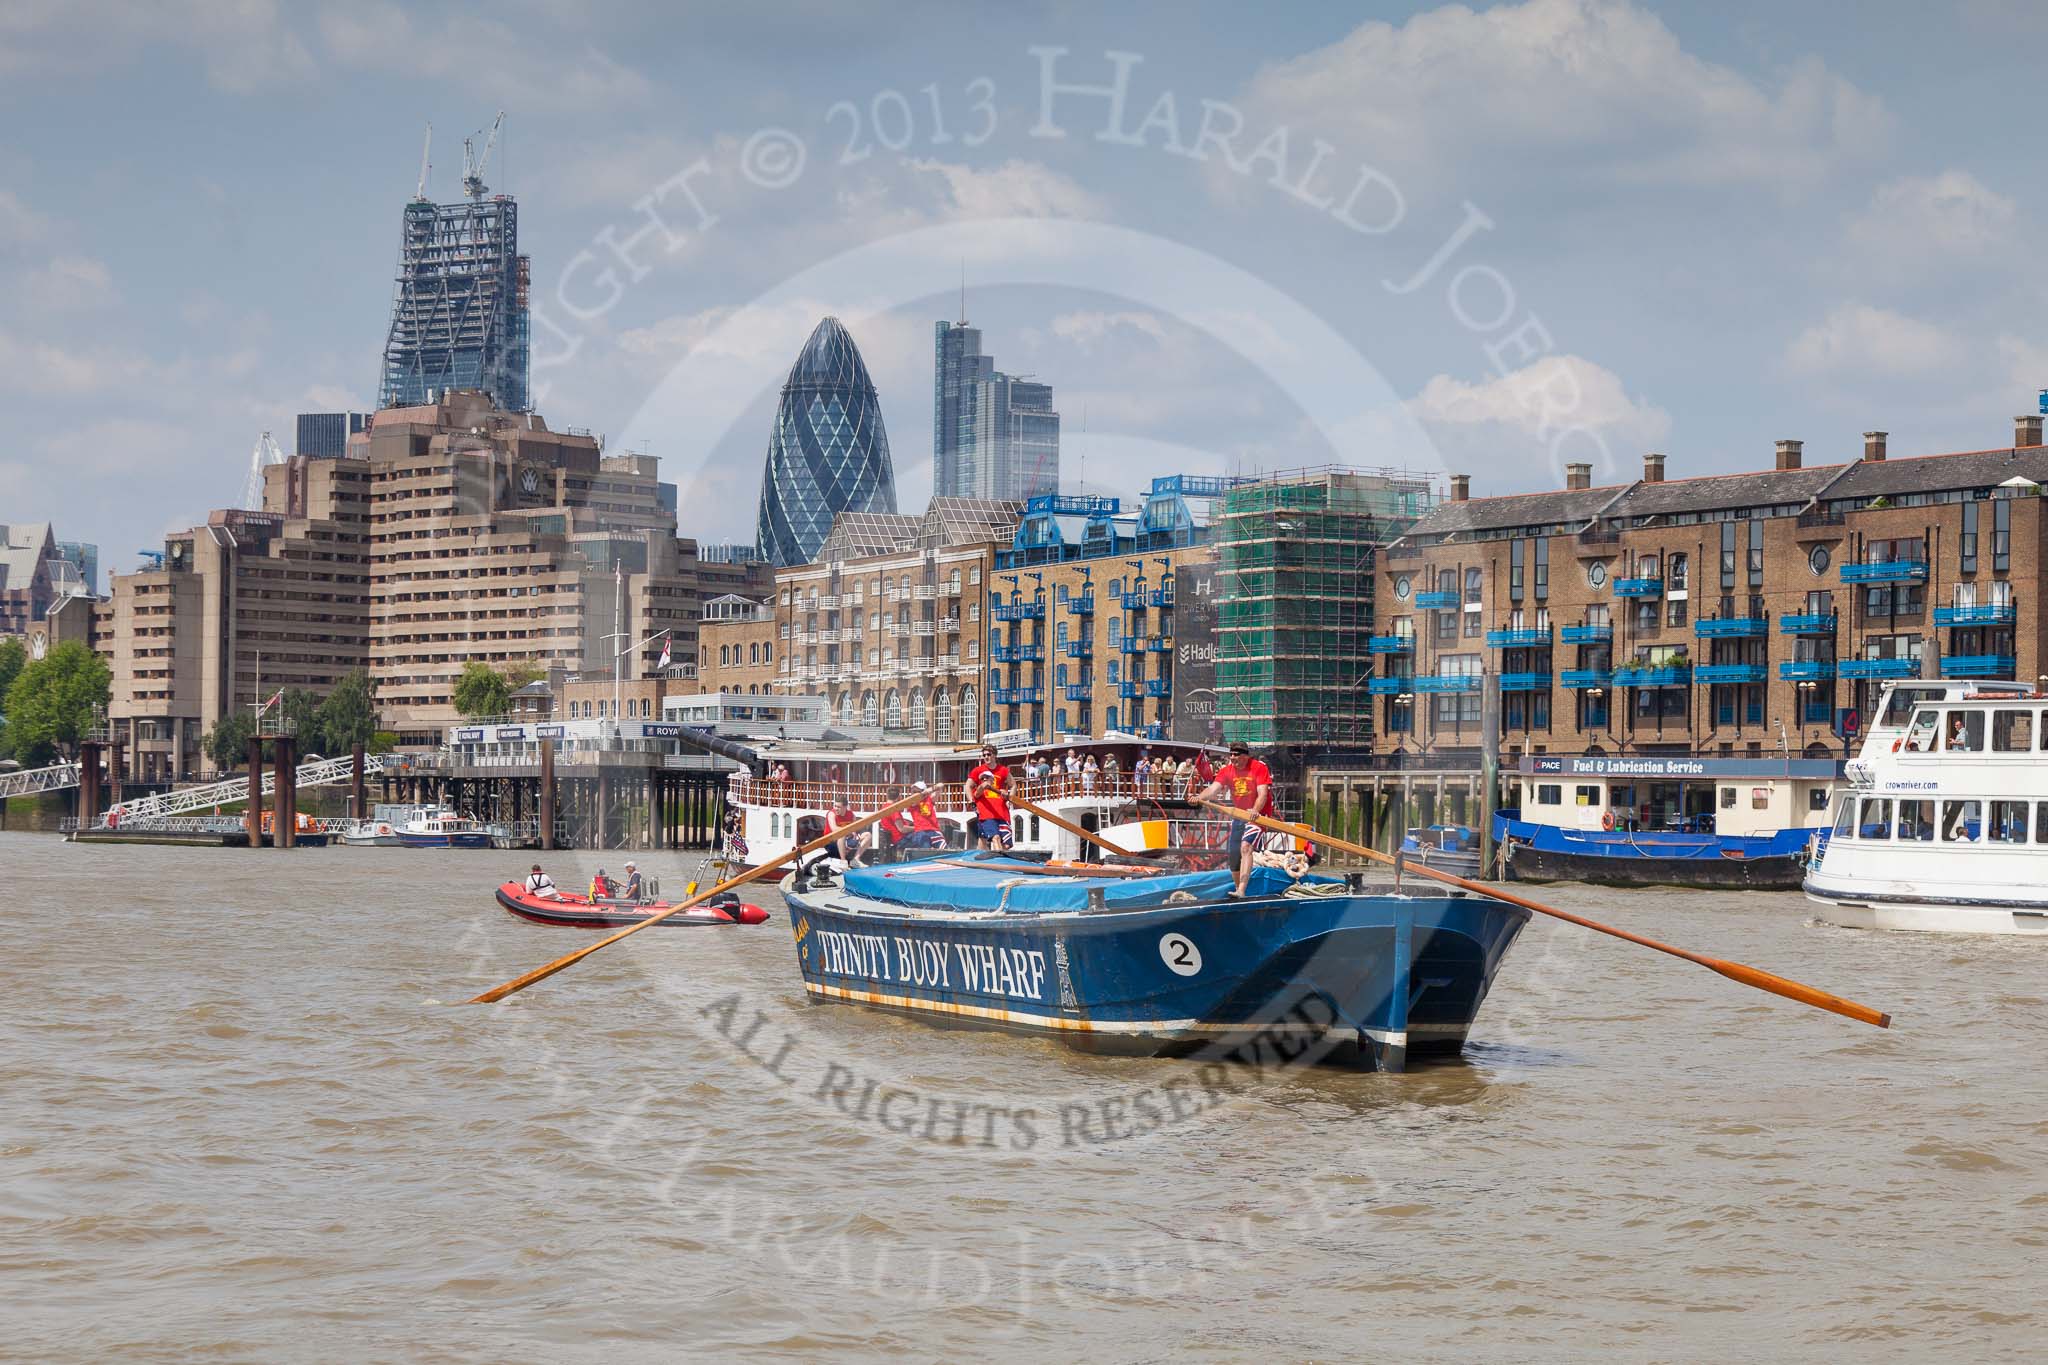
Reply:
x=1090 y=770
x=925 y=830
x=540 y=884
x=633 y=890
x=1184 y=779
x=989 y=788
x=1247 y=784
x=1073 y=771
x=600 y=886
x=1141 y=771
x=1111 y=770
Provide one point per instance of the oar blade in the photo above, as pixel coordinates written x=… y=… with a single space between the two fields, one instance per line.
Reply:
x=1794 y=990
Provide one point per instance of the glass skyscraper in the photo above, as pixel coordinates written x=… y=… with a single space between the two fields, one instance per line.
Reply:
x=460 y=318
x=994 y=435
x=828 y=453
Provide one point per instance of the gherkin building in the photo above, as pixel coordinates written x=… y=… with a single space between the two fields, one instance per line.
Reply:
x=828 y=453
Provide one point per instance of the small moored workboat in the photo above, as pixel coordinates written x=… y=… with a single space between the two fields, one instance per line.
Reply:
x=1124 y=959
x=443 y=829
x=582 y=912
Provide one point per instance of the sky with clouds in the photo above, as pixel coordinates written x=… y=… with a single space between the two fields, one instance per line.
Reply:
x=1492 y=239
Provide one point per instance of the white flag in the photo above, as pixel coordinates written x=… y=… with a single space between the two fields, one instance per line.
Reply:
x=664 y=654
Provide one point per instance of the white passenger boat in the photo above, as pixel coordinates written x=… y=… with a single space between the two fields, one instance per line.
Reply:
x=1943 y=823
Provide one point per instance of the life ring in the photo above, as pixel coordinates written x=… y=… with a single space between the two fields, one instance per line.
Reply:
x=1607 y=819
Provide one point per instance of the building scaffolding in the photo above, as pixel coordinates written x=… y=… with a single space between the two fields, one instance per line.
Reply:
x=1296 y=556
x=459 y=317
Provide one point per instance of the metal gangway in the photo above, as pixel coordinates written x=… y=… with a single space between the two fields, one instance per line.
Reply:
x=318 y=773
x=30 y=781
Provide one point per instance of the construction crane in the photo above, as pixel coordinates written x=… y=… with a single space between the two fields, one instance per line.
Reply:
x=472 y=164
x=425 y=165
x=265 y=454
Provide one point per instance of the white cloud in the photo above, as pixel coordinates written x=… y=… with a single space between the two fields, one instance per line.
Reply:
x=70 y=284
x=1562 y=408
x=245 y=46
x=43 y=366
x=517 y=67
x=1859 y=338
x=1561 y=89
x=19 y=224
x=1913 y=221
x=1015 y=189
x=1087 y=328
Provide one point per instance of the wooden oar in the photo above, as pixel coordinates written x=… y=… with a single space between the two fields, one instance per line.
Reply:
x=520 y=983
x=1042 y=813
x=1734 y=971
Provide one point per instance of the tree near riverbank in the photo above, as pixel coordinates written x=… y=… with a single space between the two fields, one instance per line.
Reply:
x=484 y=691
x=53 y=701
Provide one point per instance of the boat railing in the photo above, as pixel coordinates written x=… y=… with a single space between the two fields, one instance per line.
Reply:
x=951 y=797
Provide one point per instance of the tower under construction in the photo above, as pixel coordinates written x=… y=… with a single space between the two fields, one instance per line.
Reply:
x=1296 y=554
x=459 y=319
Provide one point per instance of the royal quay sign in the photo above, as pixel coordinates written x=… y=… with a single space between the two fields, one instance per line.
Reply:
x=473 y=735
x=1677 y=766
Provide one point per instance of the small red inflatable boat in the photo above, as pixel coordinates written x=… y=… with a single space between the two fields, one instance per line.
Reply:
x=609 y=914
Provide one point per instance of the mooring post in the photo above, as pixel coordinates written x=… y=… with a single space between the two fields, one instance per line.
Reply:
x=286 y=791
x=547 y=794
x=253 y=816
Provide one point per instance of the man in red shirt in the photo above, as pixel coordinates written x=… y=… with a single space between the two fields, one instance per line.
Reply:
x=1247 y=784
x=989 y=786
x=895 y=826
x=925 y=830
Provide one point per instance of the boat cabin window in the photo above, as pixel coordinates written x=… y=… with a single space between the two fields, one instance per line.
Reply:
x=1549 y=794
x=1926 y=728
x=1589 y=796
x=1916 y=820
x=1817 y=799
x=1961 y=821
x=2012 y=732
x=2041 y=822
x=1902 y=701
x=1727 y=798
x=1877 y=818
x=809 y=827
x=1965 y=732
x=2008 y=822
x=1845 y=818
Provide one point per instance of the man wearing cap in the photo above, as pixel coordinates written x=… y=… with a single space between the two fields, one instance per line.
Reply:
x=1247 y=784
x=989 y=787
x=632 y=891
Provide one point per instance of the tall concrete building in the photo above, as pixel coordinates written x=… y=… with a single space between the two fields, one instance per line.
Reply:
x=828 y=453
x=324 y=435
x=994 y=435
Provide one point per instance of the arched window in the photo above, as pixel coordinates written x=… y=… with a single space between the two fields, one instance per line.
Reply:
x=969 y=716
x=867 y=709
x=892 y=715
x=942 y=716
x=917 y=711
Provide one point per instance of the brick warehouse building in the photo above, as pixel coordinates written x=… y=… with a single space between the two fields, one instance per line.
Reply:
x=1728 y=615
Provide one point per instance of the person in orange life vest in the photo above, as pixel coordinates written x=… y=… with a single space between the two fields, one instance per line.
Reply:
x=895 y=826
x=1247 y=784
x=925 y=830
x=600 y=886
x=989 y=786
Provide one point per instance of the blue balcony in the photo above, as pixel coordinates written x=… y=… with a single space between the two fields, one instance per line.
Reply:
x=1676 y=675
x=1129 y=689
x=1638 y=587
x=1878 y=668
x=1577 y=678
x=1731 y=627
x=1446 y=682
x=1134 y=601
x=1131 y=644
x=1808 y=623
x=1587 y=635
x=1016 y=696
x=1084 y=605
x=1889 y=571
x=1390 y=687
x=1977 y=666
x=1158 y=687
x=1082 y=648
x=1730 y=673
x=1518 y=639
x=1156 y=730
x=1437 y=601
x=1017 y=611
x=1159 y=644
x=1080 y=691
x=1161 y=598
x=1976 y=616
x=1017 y=654
x=1525 y=682
x=1391 y=644
x=1807 y=670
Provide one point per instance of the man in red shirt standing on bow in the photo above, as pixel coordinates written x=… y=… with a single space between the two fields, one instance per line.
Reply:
x=1247 y=784
x=989 y=786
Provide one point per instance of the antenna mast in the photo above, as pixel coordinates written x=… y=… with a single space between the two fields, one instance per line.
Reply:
x=425 y=165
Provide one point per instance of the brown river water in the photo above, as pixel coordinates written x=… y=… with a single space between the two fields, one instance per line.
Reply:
x=243 y=1118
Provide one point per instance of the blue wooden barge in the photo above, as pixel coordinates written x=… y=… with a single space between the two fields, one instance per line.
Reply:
x=1163 y=964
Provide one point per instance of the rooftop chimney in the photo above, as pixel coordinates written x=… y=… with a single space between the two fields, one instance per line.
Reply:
x=1873 y=445
x=1653 y=468
x=1788 y=454
x=1461 y=487
x=2026 y=431
x=1578 y=476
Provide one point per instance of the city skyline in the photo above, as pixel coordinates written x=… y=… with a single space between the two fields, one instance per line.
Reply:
x=828 y=451
x=994 y=435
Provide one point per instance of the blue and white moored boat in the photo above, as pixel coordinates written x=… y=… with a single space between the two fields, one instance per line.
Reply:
x=443 y=829
x=1160 y=964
